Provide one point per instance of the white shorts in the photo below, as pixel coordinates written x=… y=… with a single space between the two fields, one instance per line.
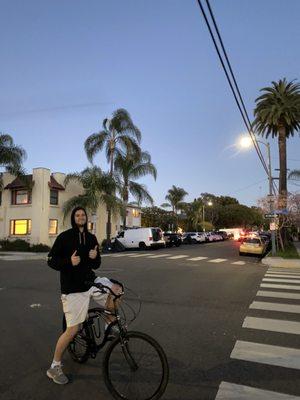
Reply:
x=76 y=305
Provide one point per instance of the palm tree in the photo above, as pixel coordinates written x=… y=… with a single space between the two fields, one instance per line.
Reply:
x=175 y=198
x=130 y=168
x=295 y=174
x=277 y=112
x=118 y=136
x=99 y=187
x=11 y=157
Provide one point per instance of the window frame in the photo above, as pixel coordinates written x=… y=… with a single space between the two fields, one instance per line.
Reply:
x=14 y=195
x=12 y=227
x=56 y=230
x=51 y=197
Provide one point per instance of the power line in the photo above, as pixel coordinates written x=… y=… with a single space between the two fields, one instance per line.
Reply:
x=238 y=98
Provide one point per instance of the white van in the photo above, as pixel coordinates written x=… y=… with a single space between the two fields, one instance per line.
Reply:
x=143 y=238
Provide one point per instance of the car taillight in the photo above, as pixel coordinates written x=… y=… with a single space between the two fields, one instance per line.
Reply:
x=150 y=238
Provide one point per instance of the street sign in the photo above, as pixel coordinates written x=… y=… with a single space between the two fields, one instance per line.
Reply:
x=271 y=215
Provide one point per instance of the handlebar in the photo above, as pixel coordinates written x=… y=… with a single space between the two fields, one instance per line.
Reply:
x=104 y=288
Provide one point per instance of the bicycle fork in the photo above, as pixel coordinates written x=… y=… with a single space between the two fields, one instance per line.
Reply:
x=128 y=356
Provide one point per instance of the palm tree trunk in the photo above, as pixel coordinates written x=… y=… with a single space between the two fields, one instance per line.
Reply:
x=282 y=203
x=282 y=167
x=108 y=225
x=125 y=201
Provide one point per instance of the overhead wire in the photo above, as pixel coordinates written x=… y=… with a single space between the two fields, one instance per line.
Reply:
x=233 y=86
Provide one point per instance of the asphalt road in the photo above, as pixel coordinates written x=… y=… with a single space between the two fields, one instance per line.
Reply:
x=194 y=307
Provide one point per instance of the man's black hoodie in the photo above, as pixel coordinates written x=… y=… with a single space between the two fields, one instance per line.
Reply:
x=73 y=278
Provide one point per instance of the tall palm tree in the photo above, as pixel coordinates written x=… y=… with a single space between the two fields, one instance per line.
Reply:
x=130 y=168
x=277 y=112
x=118 y=136
x=99 y=188
x=11 y=157
x=175 y=198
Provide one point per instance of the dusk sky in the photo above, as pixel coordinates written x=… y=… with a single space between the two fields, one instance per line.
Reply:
x=66 y=65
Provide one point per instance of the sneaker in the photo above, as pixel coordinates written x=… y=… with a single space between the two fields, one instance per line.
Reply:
x=57 y=375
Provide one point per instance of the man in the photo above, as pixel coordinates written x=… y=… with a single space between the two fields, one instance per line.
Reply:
x=75 y=254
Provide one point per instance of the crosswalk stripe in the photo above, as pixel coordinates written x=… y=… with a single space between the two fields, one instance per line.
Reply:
x=281 y=280
x=296 y=270
x=263 y=305
x=274 y=286
x=197 y=258
x=266 y=354
x=217 y=260
x=159 y=255
x=283 y=272
x=176 y=257
x=268 y=275
x=120 y=255
x=239 y=263
x=280 y=295
x=273 y=325
x=233 y=391
x=139 y=255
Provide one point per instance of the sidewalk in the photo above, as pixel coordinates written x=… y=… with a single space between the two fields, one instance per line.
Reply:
x=22 y=255
x=283 y=262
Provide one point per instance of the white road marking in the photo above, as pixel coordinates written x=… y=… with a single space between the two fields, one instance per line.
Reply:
x=263 y=305
x=239 y=263
x=121 y=255
x=273 y=286
x=273 y=325
x=38 y=305
x=281 y=280
x=197 y=258
x=160 y=255
x=218 y=260
x=284 y=270
x=233 y=391
x=139 y=255
x=266 y=354
x=280 y=295
x=176 y=257
x=271 y=275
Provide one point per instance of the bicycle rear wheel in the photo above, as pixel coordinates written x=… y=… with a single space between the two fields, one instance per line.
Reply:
x=137 y=369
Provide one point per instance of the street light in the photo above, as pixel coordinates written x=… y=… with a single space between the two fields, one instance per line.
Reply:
x=245 y=142
x=209 y=203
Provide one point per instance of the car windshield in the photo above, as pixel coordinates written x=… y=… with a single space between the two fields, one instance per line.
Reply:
x=252 y=240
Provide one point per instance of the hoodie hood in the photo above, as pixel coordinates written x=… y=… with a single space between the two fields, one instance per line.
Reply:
x=74 y=226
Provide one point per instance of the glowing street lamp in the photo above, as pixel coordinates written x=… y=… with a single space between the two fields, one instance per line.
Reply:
x=209 y=203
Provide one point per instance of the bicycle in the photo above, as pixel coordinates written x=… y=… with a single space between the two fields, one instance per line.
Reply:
x=135 y=366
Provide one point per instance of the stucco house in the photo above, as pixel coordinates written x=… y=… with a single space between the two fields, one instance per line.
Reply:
x=33 y=212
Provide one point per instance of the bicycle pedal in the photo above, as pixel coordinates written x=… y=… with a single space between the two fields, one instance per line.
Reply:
x=93 y=355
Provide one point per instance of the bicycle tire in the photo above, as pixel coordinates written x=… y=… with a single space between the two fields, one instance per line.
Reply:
x=116 y=366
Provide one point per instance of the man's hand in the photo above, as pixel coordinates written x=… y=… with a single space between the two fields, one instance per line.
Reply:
x=93 y=252
x=75 y=260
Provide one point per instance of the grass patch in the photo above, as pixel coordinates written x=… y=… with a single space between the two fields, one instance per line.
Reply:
x=289 y=252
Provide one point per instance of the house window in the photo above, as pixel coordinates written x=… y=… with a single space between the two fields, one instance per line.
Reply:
x=53 y=224
x=135 y=213
x=54 y=197
x=20 y=226
x=19 y=197
x=90 y=226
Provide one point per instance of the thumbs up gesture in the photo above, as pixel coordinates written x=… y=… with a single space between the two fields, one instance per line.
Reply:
x=75 y=260
x=93 y=252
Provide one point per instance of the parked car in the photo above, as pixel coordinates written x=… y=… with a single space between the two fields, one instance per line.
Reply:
x=253 y=245
x=143 y=238
x=172 y=239
x=223 y=234
x=193 y=237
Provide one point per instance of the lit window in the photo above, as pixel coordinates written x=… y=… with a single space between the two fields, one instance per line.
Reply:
x=53 y=223
x=20 y=227
x=21 y=197
x=135 y=213
x=90 y=226
x=54 y=197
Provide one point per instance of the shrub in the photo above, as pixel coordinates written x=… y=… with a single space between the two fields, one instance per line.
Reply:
x=40 y=248
x=14 y=245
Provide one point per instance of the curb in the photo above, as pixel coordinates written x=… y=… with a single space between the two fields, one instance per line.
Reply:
x=280 y=262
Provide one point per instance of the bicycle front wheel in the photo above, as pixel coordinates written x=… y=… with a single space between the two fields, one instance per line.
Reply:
x=135 y=368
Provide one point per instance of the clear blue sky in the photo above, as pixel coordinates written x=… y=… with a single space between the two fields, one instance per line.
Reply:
x=66 y=65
